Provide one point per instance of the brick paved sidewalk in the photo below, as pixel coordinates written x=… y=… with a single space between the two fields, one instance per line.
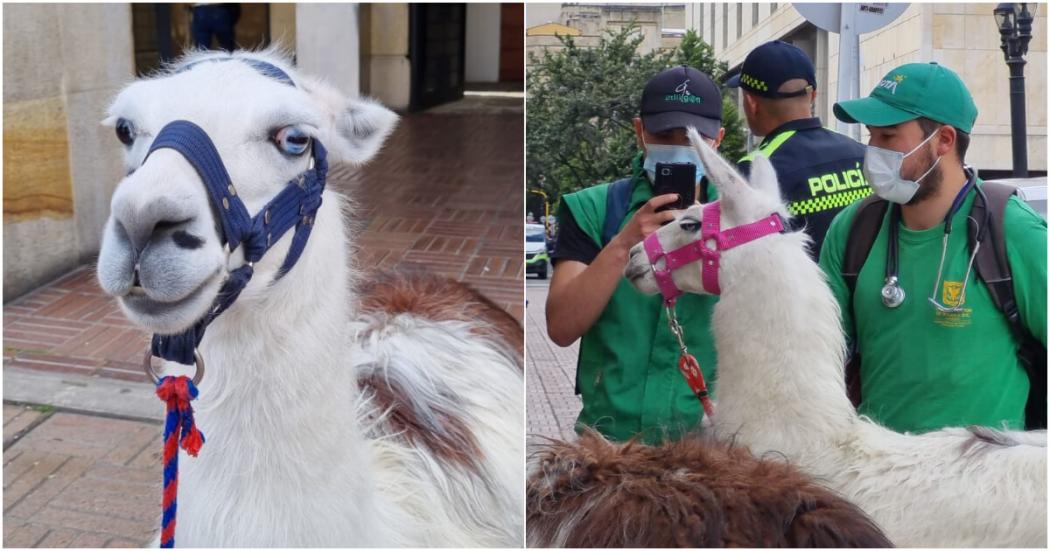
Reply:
x=550 y=374
x=79 y=481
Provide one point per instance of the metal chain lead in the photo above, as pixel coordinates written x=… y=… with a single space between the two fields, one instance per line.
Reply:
x=676 y=328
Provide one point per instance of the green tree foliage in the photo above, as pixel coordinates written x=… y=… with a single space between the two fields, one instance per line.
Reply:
x=581 y=102
x=694 y=52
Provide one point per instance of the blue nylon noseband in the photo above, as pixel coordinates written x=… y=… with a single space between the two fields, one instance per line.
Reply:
x=295 y=206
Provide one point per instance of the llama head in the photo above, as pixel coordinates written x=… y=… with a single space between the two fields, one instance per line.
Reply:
x=741 y=202
x=162 y=253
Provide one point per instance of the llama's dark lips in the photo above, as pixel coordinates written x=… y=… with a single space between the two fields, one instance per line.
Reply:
x=140 y=303
x=634 y=272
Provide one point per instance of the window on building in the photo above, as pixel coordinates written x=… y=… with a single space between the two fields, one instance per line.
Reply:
x=739 y=19
x=161 y=32
x=773 y=7
x=754 y=15
x=725 y=25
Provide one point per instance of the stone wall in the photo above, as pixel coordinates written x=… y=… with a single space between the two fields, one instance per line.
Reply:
x=63 y=64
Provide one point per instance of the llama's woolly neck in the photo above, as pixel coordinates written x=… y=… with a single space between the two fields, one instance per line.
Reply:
x=780 y=348
x=286 y=342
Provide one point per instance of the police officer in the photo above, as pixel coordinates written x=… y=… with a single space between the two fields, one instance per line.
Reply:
x=819 y=170
x=627 y=373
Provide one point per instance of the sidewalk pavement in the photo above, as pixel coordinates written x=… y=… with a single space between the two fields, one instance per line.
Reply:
x=73 y=480
x=550 y=373
x=81 y=424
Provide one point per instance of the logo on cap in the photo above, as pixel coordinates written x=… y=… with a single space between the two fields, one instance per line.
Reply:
x=891 y=85
x=682 y=94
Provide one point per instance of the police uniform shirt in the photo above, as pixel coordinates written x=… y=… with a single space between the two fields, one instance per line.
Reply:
x=819 y=171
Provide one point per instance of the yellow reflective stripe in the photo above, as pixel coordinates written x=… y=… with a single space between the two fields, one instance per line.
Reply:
x=770 y=147
x=826 y=202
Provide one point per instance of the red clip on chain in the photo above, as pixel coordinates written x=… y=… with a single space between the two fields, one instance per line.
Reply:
x=690 y=368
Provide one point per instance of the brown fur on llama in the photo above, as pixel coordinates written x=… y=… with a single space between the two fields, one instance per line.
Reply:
x=593 y=493
x=440 y=299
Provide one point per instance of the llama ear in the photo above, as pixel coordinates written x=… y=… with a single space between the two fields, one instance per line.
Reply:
x=764 y=177
x=725 y=178
x=361 y=128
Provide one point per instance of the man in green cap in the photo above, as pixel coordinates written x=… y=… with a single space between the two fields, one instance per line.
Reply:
x=947 y=357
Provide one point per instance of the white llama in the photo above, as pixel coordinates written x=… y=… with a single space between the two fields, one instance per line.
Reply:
x=780 y=389
x=339 y=410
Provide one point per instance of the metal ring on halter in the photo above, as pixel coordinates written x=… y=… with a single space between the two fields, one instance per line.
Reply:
x=198 y=362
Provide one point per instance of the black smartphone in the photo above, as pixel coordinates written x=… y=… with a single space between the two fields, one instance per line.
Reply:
x=677 y=178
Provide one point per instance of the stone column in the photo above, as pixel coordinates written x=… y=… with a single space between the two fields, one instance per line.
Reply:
x=483 y=43
x=327 y=43
x=390 y=71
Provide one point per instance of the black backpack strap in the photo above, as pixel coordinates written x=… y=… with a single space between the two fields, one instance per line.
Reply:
x=861 y=237
x=617 y=203
x=991 y=262
x=862 y=234
x=993 y=267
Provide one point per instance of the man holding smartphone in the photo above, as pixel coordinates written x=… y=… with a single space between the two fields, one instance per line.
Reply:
x=627 y=372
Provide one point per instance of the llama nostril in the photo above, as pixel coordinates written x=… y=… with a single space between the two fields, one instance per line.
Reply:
x=186 y=240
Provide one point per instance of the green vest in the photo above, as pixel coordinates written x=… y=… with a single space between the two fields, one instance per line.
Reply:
x=627 y=372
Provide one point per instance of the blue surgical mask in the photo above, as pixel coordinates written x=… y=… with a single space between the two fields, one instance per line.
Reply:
x=657 y=153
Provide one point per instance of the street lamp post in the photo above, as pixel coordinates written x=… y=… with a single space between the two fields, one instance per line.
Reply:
x=1015 y=29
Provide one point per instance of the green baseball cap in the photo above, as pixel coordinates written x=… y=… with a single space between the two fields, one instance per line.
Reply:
x=912 y=91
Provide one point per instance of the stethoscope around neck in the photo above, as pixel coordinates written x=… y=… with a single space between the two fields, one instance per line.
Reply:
x=892 y=293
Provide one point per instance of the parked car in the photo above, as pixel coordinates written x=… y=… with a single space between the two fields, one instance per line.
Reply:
x=1032 y=190
x=536 y=258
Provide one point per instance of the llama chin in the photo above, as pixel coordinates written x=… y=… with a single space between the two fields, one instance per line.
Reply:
x=335 y=414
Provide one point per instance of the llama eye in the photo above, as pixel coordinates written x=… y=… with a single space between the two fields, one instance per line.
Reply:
x=292 y=140
x=125 y=131
x=689 y=226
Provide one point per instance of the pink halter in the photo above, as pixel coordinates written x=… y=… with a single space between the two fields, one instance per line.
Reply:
x=698 y=250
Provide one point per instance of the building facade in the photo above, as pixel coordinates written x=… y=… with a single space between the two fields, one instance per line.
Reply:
x=661 y=25
x=963 y=37
x=61 y=166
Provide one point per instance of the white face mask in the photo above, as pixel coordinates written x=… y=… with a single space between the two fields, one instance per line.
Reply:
x=656 y=153
x=882 y=170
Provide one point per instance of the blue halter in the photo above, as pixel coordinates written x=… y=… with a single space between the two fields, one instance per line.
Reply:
x=295 y=206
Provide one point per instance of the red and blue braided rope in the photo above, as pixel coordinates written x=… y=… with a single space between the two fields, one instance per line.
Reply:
x=179 y=431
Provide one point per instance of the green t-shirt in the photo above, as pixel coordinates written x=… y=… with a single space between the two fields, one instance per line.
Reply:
x=922 y=369
x=627 y=372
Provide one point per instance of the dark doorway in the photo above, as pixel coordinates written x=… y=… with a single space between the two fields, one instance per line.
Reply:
x=161 y=32
x=437 y=49
x=512 y=43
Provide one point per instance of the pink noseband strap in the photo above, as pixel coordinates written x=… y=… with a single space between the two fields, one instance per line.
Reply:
x=699 y=251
